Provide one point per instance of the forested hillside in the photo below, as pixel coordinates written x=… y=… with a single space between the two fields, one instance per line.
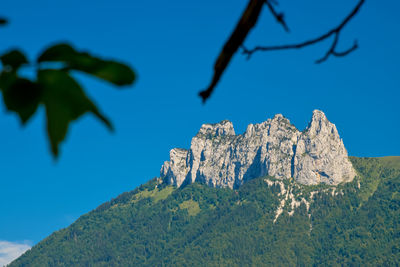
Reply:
x=357 y=223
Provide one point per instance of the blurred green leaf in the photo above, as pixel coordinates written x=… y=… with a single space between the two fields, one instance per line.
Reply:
x=112 y=71
x=65 y=101
x=21 y=96
x=7 y=79
x=13 y=59
x=3 y=21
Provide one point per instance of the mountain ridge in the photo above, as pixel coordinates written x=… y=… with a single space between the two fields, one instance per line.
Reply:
x=220 y=158
x=262 y=214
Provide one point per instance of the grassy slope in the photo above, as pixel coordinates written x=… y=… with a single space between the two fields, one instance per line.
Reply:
x=157 y=225
x=390 y=162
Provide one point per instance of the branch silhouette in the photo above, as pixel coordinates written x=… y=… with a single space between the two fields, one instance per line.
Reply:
x=333 y=32
x=278 y=16
x=245 y=24
x=249 y=19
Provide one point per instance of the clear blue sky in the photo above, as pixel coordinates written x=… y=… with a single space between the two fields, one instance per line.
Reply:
x=173 y=45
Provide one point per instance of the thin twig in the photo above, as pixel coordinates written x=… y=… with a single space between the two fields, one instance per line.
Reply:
x=278 y=16
x=335 y=31
x=346 y=52
x=329 y=52
x=332 y=51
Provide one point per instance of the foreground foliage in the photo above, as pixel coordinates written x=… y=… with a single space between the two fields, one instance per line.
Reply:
x=158 y=225
x=54 y=88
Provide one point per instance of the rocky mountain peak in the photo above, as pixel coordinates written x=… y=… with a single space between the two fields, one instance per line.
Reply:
x=319 y=123
x=224 y=127
x=278 y=117
x=220 y=158
x=318 y=115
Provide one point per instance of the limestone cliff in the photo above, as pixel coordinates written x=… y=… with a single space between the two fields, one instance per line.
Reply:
x=220 y=158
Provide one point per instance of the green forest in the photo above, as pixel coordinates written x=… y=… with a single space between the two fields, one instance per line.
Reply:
x=352 y=224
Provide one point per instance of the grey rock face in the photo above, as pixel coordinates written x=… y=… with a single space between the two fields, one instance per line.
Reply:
x=320 y=154
x=220 y=158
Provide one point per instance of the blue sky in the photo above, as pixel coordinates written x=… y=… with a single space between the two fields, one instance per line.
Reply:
x=172 y=45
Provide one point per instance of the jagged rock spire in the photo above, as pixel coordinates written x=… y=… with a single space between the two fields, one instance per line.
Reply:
x=320 y=154
x=275 y=147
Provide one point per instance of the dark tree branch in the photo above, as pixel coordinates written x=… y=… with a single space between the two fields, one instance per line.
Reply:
x=333 y=32
x=332 y=51
x=346 y=52
x=278 y=16
x=249 y=19
x=329 y=52
x=245 y=24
